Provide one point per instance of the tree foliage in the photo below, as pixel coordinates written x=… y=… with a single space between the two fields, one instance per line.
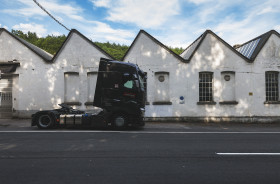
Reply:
x=116 y=50
x=52 y=43
x=177 y=50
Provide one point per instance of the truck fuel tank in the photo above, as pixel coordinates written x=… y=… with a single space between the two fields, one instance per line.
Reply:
x=70 y=119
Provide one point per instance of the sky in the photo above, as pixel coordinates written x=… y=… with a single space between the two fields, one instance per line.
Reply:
x=175 y=23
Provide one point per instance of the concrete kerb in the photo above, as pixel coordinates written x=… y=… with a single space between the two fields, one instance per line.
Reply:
x=154 y=123
x=221 y=120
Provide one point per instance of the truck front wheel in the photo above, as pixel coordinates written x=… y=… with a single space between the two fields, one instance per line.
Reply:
x=119 y=121
x=45 y=121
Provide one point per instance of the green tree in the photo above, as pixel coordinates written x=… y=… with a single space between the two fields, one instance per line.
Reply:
x=116 y=50
x=177 y=50
x=52 y=44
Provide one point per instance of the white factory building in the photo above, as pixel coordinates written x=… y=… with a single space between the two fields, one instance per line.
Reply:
x=40 y=81
x=209 y=81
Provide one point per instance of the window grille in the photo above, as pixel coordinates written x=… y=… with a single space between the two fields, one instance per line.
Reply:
x=205 y=87
x=271 y=84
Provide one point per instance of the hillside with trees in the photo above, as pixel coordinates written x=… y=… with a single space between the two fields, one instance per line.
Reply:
x=52 y=43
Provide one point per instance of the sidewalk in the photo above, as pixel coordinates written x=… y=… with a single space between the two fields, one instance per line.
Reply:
x=25 y=124
x=15 y=123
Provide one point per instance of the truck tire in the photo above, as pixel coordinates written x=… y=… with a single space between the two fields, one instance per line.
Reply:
x=119 y=121
x=45 y=121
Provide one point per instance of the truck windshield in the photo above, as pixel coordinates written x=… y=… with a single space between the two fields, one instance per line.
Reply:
x=130 y=81
x=129 y=84
x=134 y=82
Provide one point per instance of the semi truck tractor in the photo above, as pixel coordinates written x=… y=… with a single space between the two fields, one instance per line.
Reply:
x=119 y=100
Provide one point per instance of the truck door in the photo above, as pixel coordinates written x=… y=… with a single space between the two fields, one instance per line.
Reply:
x=111 y=88
x=130 y=85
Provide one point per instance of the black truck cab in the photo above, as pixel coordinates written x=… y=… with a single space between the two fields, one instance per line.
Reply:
x=119 y=92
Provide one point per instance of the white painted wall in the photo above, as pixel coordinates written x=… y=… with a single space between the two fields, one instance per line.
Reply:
x=227 y=87
x=152 y=58
x=92 y=79
x=214 y=56
x=161 y=87
x=79 y=56
x=267 y=60
x=247 y=86
x=71 y=87
x=39 y=85
x=30 y=79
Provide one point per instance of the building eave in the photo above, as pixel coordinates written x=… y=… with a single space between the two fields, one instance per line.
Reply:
x=263 y=40
x=27 y=45
x=229 y=46
x=85 y=38
x=203 y=36
x=155 y=41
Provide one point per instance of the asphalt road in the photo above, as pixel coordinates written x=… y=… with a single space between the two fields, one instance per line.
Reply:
x=159 y=153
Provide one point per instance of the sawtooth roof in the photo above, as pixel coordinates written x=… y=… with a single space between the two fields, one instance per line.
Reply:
x=248 y=51
x=188 y=53
x=40 y=52
x=253 y=47
x=85 y=38
x=156 y=41
x=45 y=55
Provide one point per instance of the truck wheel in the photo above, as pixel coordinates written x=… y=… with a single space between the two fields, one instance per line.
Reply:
x=119 y=121
x=45 y=121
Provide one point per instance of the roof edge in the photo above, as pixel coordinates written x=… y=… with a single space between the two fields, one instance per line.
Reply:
x=194 y=42
x=198 y=45
x=1 y=30
x=157 y=42
x=85 y=38
x=268 y=32
x=264 y=38
x=17 y=38
x=229 y=46
x=263 y=41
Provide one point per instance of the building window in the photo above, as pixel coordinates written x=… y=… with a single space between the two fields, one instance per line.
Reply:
x=161 y=89
x=227 y=89
x=205 y=87
x=271 y=86
x=71 y=88
x=91 y=83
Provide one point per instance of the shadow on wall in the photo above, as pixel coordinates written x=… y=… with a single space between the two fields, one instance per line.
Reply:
x=212 y=57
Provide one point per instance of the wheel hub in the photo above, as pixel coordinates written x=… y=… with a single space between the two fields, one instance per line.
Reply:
x=44 y=121
x=119 y=121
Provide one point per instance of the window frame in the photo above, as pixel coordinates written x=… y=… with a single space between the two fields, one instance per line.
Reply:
x=66 y=92
x=206 y=88
x=157 y=81
x=270 y=95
